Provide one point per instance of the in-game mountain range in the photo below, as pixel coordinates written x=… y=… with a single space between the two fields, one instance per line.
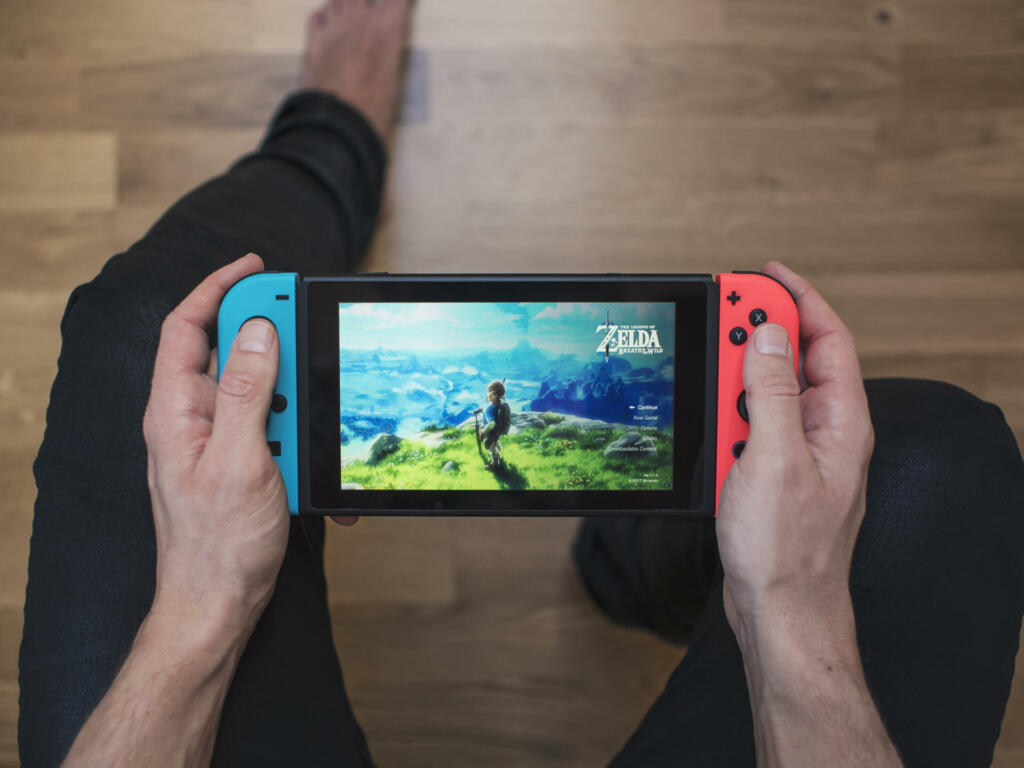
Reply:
x=385 y=391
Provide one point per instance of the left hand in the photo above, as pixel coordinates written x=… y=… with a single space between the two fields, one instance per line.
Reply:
x=219 y=504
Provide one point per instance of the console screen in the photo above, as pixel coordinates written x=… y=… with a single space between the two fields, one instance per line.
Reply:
x=522 y=396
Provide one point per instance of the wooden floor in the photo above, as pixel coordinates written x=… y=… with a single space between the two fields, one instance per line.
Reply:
x=877 y=146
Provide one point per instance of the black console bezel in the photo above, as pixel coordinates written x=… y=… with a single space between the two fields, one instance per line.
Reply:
x=317 y=347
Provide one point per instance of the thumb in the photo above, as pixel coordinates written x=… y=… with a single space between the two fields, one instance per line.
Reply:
x=772 y=390
x=245 y=388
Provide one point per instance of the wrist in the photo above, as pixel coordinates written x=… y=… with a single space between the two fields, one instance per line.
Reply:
x=210 y=599
x=788 y=646
x=217 y=628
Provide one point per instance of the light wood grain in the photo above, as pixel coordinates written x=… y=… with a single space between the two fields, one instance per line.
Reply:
x=386 y=560
x=161 y=165
x=58 y=171
x=488 y=24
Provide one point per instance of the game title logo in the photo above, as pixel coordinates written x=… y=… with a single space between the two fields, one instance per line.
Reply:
x=629 y=340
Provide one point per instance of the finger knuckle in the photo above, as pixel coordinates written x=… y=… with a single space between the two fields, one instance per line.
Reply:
x=170 y=325
x=867 y=437
x=149 y=430
x=265 y=473
x=241 y=385
x=779 y=384
x=253 y=479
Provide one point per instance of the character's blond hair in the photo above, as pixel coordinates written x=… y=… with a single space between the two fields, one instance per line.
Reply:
x=497 y=388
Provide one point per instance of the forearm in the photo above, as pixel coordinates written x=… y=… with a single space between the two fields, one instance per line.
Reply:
x=165 y=703
x=809 y=698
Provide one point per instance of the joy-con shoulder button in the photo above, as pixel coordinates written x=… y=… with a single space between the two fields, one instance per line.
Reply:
x=762 y=274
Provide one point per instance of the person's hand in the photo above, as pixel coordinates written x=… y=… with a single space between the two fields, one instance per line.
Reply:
x=792 y=504
x=219 y=504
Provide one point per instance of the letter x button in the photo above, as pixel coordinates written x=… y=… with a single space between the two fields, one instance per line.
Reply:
x=732 y=298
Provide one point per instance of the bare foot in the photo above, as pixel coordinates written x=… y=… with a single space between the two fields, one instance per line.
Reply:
x=354 y=50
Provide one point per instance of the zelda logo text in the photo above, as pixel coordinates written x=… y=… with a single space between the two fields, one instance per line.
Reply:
x=629 y=340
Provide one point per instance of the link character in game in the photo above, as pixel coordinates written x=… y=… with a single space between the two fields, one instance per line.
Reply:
x=497 y=421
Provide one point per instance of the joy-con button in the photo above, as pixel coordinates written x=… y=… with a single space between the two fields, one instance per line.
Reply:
x=741 y=406
x=278 y=403
x=275 y=447
x=733 y=297
x=737 y=448
x=738 y=335
x=758 y=316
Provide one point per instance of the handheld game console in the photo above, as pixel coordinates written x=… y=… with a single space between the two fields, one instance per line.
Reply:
x=385 y=385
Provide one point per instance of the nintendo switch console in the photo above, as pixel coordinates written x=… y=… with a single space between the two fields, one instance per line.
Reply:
x=507 y=394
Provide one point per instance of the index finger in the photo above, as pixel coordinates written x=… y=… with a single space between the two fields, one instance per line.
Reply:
x=184 y=339
x=831 y=357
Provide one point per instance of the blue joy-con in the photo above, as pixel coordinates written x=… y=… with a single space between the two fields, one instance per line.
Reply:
x=270 y=295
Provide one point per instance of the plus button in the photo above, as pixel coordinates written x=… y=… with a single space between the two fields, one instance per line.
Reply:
x=732 y=298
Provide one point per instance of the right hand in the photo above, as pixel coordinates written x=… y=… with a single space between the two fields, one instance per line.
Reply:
x=792 y=504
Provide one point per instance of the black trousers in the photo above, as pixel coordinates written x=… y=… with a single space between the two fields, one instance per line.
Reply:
x=937 y=580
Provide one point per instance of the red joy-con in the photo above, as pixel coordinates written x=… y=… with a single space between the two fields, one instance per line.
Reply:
x=745 y=300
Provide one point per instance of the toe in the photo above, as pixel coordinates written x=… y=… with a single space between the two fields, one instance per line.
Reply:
x=317 y=19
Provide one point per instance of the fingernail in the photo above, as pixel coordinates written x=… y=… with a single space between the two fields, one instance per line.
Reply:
x=772 y=339
x=255 y=336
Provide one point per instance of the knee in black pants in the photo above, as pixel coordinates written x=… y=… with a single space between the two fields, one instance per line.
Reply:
x=937 y=578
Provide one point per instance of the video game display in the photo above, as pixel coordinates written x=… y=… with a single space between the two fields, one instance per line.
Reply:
x=506 y=396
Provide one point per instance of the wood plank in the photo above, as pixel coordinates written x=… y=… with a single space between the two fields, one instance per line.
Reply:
x=121 y=29
x=1008 y=757
x=198 y=91
x=489 y=24
x=604 y=230
x=72 y=170
x=964 y=77
x=671 y=80
x=391 y=561
x=57 y=250
x=995 y=378
x=960 y=313
x=638 y=172
x=904 y=20
x=9 y=722
x=157 y=167
x=39 y=95
x=209 y=91
x=501 y=682
x=30 y=340
x=15 y=521
x=11 y=619
x=521 y=630
x=954 y=21
x=795 y=19
x=29 y=334
x=953 y=153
